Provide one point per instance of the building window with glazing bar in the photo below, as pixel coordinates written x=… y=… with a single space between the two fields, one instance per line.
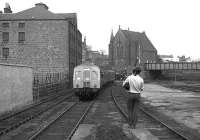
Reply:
x=5 y=52
x=5 y=25
x=5 y=37
x=21 y=37
x=21 y=25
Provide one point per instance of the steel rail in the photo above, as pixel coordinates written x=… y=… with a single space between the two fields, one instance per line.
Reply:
x=152 y=116
x=6 y=130
x=160 y=121
x=79 y=122
x=118 y=106
x=51 y=122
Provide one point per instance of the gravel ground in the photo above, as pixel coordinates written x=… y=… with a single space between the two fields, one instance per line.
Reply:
x=109 y=123
x=181 y=105
x=106 y=131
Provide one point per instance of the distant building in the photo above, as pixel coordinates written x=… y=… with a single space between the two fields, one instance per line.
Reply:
x=92 y=56
x=102 y=61
x=129 y=48
x=47 y=41
x=184 y=59
x=85 y=51
x=98 y=58
x=165 y=58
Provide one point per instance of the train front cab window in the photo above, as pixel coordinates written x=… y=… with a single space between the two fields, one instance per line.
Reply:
x=78 y=75
x=94 y=75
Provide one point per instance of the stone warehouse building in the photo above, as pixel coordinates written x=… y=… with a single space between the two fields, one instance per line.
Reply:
x=49 y=42
x=129 y=48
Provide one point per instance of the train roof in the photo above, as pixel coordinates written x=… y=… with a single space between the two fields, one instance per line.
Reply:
x=87 y=65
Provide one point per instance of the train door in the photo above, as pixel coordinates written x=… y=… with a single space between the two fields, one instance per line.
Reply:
x=86 y=78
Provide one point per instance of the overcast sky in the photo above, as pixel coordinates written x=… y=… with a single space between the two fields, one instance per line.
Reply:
x=173 y=26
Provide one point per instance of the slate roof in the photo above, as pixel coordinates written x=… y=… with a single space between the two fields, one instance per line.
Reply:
x=67 y=15
x=36 y=12
x=141 y=37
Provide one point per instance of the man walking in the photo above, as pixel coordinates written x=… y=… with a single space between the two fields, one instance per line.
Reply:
x=136 y=84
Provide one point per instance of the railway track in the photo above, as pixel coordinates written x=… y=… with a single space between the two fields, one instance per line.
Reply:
x=65 y=124
x=14 y=120
x=159 y=125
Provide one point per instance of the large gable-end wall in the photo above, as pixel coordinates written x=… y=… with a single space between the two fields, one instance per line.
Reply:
x=133 y=53
x=149 y=52
x=149 y=56
x=45 y=44
x=120 y=43
x=132 y=47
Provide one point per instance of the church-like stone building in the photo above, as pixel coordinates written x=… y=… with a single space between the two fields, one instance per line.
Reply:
x=128 y=48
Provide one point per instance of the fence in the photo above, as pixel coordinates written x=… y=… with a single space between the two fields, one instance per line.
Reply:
x=46 y=83
x=173 y=66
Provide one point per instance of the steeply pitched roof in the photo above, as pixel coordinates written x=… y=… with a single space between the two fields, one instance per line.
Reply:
x=36 y=12
x=131 y=35
x=111 y=36
x=140 y=37
x=146 y=42
x=67 y=15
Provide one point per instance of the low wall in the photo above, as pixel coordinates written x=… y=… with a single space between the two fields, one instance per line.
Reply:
x=173 y=75
x=15 y=86
x=182 y=75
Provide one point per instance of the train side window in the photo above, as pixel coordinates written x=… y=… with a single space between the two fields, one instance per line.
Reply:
x=78 y=75
x=94 y=75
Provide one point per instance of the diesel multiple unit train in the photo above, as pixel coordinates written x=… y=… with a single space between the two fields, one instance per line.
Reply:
x=88 y=79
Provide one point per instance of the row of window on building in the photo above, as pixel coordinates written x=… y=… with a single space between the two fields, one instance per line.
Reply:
x=5 y=37
x=7 y=25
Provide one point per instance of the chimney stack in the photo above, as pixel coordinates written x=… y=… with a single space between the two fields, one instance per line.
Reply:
x=7 y=8
x=42 y=5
